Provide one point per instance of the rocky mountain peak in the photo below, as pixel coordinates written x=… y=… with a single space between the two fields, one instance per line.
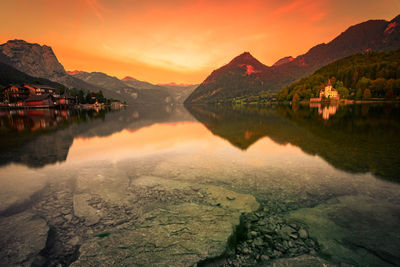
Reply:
x=31 y=58
x=245 y=58
x=246 y=62
x=129 y=78
x=74 y=72
x=283 y=60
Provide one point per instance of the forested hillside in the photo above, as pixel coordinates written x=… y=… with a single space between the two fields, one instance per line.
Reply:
x=361 y=76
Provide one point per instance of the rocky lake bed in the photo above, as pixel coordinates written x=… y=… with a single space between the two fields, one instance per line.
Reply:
x=108 y=217
x=201 y=195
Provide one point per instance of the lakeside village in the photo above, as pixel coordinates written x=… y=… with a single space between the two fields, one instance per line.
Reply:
x=44 y=96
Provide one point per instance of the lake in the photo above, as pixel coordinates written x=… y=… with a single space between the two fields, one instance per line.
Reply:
x=209 y=185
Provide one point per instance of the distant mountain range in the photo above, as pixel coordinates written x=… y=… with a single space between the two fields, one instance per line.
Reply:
x=26 y=62
x=125 y=90
x=245 y=75
x=179 y=92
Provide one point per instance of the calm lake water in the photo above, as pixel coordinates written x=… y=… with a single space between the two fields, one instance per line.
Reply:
x=170 y=186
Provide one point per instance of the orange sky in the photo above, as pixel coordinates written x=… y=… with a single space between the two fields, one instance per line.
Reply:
x=182 y=41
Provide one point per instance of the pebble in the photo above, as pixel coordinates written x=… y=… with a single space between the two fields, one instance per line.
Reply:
x=65 y=211
x=303 y=233
x=264 y=258
x=294 y=236
x=74 y=241
x=261 y=223
x=246 y=251
x=253 y=233
x=258 y=241
x=270 y=236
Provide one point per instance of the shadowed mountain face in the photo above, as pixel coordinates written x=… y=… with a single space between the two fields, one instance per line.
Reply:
x=245 y=75
x=10 y=75
x=359 y=138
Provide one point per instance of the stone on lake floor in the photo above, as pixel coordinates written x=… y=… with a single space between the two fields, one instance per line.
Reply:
x=181 y=234
x=343 y=229
x=23 y=236
x=303 y=233
x=83 y=210
x=109 y=183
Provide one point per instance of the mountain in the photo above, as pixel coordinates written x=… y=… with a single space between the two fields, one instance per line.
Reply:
x=283 y=61
x=73 y=72
x=242 y=76
x=10 y=75
x=175 y=84
x=138 y=84
x=179 y=92
x=379 y=72
x=40 y=61
x=33 y=59
x=124 y=90
x=245 y=75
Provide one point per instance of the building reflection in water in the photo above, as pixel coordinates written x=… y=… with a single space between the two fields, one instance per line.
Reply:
x=38 y=119
x=325 y=111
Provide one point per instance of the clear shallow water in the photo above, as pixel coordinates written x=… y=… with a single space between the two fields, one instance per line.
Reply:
x=166 y=186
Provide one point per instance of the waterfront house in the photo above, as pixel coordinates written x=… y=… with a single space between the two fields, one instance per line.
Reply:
x=14 y=93
x=329 y=92
x=39 y=101
x=36 y=89
x=66 y=100
x=32 y=88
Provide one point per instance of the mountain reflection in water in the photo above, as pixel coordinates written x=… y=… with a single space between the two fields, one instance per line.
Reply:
x=358 y=138
x=38 y=137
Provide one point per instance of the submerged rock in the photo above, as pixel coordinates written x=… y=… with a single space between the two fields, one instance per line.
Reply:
x=180 y=234
x=343 y=229
x=303 y=233
x=22 y=237
x=83 y=210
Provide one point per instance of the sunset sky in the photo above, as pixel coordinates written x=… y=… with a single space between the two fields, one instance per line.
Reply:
x=182 y=41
